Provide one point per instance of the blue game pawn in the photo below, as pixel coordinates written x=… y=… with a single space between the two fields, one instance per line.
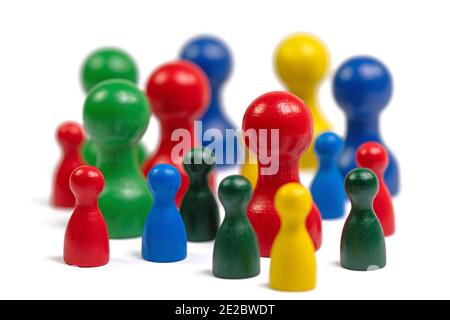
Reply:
x=164 y=238
x=362 y=87
x=214 y=58
x=327 y=187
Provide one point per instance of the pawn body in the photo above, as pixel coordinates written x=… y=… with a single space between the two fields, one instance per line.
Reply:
x=327 y=187
x=362 y=87
x=250 y=168
x=363 y=246
x=293 y=260
x=116 y=115
x=164 y=238
x=199 y=206
x=86 y=241
x=302 y=62
x=236 y=251
x=373 y=156
x=70 y=136
x=214 y=57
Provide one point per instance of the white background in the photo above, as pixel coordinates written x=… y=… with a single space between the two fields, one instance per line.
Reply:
x=42 y=44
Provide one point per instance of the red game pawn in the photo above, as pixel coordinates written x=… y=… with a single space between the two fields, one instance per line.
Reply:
x=288 y=114
x=179 y=93
x=70 y=136
x=373 y=156
x=86 y=243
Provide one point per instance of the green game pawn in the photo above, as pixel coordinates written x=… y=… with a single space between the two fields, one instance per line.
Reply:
x=362 y=243
x=106 y=64
x=116 y=115
x=236 y=251
x=199 y=207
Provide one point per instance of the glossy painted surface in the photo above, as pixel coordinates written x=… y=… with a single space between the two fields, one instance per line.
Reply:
x=164 y=238
x=70 y=137
x=116 y=115
x=363 y=246
x=373 y=156
x=199 y=206
x=213 y=56
x=293 y=260
x=286 y=113
x=302 y=62
x=86 y=241
x=236 y=251
x=327 y=187
x=179 y=93
x=362 y=88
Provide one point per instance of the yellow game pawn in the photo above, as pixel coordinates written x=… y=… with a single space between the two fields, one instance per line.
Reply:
x=250 y=168
x=301 y=61
x=293 y=261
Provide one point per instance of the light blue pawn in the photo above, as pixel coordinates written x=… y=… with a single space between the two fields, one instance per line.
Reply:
x=164 y=238
x=327 y=187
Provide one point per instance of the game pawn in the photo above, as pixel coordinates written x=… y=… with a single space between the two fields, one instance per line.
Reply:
x=362 y=87
x=236 y=251
x=86 y=241
x=373 y=156
x=287 y=122
x=164 y=238
x=302 y=62
x=179 y=93
x=199 y=207
x=214 y=57
x=363 y=246
x=106 y=64
x=327 y=187
x=116 y=115
x=70 y=137
x=293 y=260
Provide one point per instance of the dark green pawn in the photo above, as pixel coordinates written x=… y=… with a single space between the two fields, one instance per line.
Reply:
x=116 y=115
x=362 y=243
x=106 y=64
x=199 y=207
x=236 y=251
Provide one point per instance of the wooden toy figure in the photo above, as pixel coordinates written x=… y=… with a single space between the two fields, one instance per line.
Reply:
x=70 y=137
x=236 y=252
x=302 y=62
x=199 y=207
x=373 y=156
x=280 y=125
x=106 y=64
x=116 y=115
x=293 y=261
x=164 y=238
x=86 y=242
x=362 y=87
x=327 y=187
x=362 y=243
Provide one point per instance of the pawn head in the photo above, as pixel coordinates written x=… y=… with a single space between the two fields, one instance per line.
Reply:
x=362 y=87
x=70 y=135
x=105 y=64
x=293 y=202
x=235 y=192
x=282 y=113
x=164 y=179
x=301 y=60
x=211 y=55
x=86 y=183
x=373 y=156
x=328 y=144
x=361 y=186
x=178 y=89
x=116 y=113
x=199 y=161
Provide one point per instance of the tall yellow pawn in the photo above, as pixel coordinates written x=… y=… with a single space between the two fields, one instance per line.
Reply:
x=302 y=62
x=293 y=260
x=250 y=168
